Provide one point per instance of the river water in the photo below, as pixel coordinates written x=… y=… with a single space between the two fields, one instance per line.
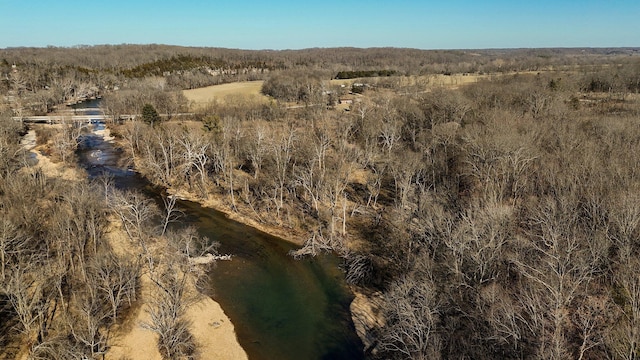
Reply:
x=281 y=308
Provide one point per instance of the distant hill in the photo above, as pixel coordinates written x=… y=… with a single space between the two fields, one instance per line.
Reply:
x=144 y=60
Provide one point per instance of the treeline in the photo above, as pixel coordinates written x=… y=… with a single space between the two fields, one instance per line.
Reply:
x=620 y=80
x=175 y=63
x=150 y=58
x=44 y=78
x=298 y=86
x=34 y=88
x=188 y=72
x=364 y=73
x=495 y=221
x=125 y=56
x=130 y=100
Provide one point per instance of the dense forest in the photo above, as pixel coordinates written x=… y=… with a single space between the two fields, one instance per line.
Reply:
x=495 y=219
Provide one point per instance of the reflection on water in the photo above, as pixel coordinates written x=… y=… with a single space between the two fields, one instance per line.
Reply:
x=281 y=308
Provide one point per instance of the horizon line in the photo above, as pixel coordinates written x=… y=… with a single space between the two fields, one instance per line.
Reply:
x=80 y=46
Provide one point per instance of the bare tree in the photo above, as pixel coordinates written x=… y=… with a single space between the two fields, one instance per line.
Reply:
x=11 y=244
x=624 y=338
x=194 y=149
x=482 y=234
x=258 y=148
x=403 y=168
x=590 y=321
x=503 y=314
x=390 y=133
x=167 y=315
x=282 y=152
x=136 y=214
x=412 y=319
x=557 y=276
x=30 y=299
x=307 y=176
x=86 y=322
x=66 y=141
x=170 y=213
x=116 y=279
x=188 y=243
x=135 y=211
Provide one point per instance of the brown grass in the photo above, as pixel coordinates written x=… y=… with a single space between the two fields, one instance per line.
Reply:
x=225 y=92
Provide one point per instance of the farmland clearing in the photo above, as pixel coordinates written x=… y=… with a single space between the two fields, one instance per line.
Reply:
x=225 y=93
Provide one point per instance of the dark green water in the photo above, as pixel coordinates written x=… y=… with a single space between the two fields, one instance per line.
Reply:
x=281 y=308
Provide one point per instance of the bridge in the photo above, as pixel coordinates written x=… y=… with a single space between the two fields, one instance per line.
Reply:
x=78 y=110
x=59 y=119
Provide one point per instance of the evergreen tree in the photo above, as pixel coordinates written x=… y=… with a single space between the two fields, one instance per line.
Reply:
x=150 y=115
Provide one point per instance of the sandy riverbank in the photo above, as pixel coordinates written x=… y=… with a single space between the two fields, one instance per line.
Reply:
x=213 y=331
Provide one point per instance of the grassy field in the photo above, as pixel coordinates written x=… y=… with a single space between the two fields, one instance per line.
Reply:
x=202 y=96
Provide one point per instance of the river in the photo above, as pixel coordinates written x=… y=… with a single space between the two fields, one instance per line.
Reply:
x=281 y=308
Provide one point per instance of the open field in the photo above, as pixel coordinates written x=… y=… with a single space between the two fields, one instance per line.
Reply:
x=202 y=96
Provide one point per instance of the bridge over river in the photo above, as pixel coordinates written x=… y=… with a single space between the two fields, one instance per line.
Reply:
x=62 y=118
x=59 y=119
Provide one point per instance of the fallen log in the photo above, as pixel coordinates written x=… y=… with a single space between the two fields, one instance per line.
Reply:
x=209 y=258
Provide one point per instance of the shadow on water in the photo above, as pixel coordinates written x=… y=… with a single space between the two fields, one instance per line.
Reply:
x=281 y=308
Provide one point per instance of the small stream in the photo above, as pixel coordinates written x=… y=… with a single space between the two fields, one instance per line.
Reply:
x=281 y=308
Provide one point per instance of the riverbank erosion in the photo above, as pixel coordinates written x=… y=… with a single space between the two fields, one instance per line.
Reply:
x=136 y=335
x=239 y=213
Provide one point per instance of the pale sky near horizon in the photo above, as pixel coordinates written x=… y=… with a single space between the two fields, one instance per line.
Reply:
x=285 y=24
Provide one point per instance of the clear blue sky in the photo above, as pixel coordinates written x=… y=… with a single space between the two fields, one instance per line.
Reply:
x=284 y=24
